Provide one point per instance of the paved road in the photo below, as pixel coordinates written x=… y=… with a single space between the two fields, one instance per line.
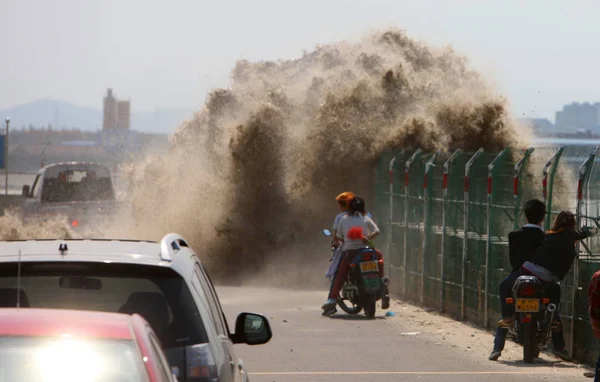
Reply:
x=309 y=347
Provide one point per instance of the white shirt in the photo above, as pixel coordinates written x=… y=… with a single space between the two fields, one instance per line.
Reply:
x=336 y=222
x=348 y=222
x=530 y=225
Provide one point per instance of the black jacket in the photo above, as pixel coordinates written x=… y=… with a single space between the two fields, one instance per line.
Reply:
x=522 y=245
x=558 y=252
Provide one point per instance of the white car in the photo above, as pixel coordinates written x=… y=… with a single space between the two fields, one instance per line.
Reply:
x=164 y=282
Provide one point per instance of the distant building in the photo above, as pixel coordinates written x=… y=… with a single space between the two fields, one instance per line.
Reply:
x=123 y=114
x=117 y=114
x=580 y=117
x=110 y=111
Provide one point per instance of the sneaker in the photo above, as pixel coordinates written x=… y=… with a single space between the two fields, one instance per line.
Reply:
x=328 y=304
x=562 y=354
x=385 y=302
x=330 y=311
x=495 y=355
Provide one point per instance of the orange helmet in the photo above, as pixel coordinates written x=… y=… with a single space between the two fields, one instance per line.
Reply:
x=344 y=197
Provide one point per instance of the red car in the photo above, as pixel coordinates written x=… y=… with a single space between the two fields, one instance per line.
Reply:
x=71 y=345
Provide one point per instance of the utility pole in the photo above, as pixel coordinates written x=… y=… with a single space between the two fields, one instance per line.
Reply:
x=43 y=156
x=6 y=158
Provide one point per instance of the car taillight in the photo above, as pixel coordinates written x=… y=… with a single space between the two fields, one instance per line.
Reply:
x=200 y=363
x=526 y=290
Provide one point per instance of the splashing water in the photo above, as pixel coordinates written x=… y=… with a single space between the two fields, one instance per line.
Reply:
x=250 y=180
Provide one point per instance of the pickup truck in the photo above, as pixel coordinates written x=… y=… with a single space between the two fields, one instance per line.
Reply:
x=79 y=191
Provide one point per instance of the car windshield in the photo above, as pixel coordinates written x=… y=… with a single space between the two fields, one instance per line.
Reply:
x=73 y=185
x=67 y=359
x=158 y=294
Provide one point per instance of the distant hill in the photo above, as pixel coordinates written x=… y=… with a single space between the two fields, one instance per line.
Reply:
x=44 y=112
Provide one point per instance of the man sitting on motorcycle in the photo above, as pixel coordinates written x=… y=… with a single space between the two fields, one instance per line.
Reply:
x=343 y=200
x=351 y=232
x=522 y=245
x=553 y=260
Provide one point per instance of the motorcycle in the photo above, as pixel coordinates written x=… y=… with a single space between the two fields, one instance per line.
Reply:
x=364 y=286
x=534 y=316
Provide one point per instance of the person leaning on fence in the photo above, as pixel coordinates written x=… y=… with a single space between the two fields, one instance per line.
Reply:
x=594 y=310
x=551 y=263
x=522 y=245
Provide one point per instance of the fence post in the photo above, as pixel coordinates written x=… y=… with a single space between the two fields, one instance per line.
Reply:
x=584 y=172
x=390 y=215
x=488 y=245
x=468 y=166
x=447 y=165
x=548 y=184
x=409 y=163
x=391 y=211
x=426 y=219
x=517 y=184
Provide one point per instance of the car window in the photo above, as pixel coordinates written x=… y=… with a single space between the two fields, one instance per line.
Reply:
x=76 y=185
x=215 y=308
x=44 y=358
x=158 y=294
x=159 y=359
x=211 y=286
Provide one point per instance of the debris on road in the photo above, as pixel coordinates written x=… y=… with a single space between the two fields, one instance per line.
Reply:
x=411 y=333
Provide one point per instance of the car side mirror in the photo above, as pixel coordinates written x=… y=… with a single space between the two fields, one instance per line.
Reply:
x=25 y=191
x=252 y=329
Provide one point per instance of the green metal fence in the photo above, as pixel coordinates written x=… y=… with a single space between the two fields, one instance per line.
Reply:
x=445 y=219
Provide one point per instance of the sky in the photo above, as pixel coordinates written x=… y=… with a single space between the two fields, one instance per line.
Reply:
x=169 y=54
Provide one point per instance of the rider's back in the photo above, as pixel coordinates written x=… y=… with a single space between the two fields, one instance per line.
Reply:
x=351 y=221
x=523 y=243
x=558 y=252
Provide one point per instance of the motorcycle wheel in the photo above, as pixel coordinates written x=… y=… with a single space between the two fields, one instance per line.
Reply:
x=353 y=307
x=529 y=341
x=369 y=305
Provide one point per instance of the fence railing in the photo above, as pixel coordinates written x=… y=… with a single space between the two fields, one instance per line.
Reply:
x=445 y=219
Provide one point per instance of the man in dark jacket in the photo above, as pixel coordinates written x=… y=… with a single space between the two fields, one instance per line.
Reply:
x=522 y=245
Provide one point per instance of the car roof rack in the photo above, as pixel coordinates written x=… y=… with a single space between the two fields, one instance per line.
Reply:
x=170 y=244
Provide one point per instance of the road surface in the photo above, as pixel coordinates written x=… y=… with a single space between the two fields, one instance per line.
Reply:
x=412 y=346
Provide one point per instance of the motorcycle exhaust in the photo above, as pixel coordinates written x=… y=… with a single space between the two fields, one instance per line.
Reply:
x=551 y=307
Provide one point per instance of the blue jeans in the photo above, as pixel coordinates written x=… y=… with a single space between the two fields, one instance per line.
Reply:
x=597 y=375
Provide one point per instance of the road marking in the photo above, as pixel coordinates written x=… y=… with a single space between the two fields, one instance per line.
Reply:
x=394 y=373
